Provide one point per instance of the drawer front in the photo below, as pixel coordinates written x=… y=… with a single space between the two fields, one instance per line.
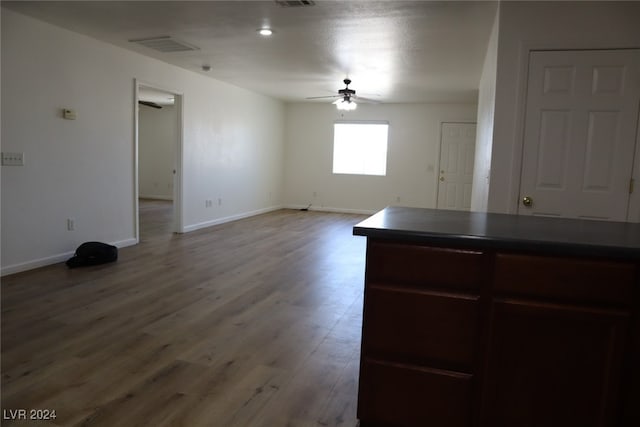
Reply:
x=402 y=395
x=565 y=278
x=422 y=327
x=424 y=266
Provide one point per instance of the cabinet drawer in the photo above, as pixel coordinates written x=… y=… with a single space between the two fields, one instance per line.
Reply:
x=566 y=278
x=424 y=265
x=403 y=395
x=421 y=326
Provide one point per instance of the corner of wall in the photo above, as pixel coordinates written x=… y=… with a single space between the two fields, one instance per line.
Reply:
x=485 y=130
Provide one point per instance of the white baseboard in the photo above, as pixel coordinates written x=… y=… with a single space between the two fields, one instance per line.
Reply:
x=332 y=210
x=230 y=218
x=53 y=259
x=125 y=243
x=36 y=263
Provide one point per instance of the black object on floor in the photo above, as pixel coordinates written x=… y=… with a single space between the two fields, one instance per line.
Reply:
x=93 y=253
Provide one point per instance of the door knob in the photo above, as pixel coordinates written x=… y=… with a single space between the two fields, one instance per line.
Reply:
x=442 y=178
x=527 y=201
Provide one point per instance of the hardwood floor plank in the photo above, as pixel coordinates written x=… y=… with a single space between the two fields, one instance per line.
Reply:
x=251 y=323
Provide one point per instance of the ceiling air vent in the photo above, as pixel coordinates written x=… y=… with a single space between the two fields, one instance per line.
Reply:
x=164 y=44
x=295 y=3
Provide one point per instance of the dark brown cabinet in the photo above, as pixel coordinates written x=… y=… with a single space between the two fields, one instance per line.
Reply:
x=394 y=394
x=457 y=335
x=421 y=325
x=553 y=365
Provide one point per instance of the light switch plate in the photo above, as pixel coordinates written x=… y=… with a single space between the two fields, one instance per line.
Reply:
x=12 y=159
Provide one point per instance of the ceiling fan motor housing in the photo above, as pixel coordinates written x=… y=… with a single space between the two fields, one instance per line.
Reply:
x=346 y=92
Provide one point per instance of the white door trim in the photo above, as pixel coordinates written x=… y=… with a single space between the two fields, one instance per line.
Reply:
x=178 y=206
x=633 y=213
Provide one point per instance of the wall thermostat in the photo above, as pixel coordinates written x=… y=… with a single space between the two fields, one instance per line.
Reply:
x=69 y=114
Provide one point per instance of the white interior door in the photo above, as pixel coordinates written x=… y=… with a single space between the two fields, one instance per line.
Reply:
x=457 y=151
x=580 y=131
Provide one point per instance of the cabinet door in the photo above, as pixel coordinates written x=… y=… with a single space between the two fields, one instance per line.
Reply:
x=552 y=365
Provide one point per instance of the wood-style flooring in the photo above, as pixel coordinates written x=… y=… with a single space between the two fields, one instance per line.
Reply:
x=251 y=323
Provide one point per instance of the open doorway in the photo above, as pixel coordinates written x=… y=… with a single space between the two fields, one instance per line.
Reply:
x=158 y=143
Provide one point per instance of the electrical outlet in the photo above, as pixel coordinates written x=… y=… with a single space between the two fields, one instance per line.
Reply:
x=13 y=159
x=71 y=224
x=219 y=202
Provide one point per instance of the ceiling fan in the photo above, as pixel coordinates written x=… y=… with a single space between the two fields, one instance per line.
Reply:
x=150 y=104
x=346 y=97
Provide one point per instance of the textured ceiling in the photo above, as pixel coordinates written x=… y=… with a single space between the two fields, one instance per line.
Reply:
x=394 y=51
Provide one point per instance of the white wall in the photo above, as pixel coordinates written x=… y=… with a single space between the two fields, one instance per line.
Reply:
x=484 y=132
x=84 y=168
x=157 y=142
x=543 y=25
x=412 y=160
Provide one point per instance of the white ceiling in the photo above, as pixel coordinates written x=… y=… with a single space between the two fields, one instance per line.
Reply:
x=394 y=51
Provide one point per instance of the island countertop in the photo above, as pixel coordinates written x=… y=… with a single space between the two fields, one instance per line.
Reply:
x=469 y=317
x=502 y=231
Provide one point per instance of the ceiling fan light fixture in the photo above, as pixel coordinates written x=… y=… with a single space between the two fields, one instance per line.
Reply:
x=345 y=104
x=346 y=96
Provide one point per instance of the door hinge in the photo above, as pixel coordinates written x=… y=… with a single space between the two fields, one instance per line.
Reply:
x=631 y=182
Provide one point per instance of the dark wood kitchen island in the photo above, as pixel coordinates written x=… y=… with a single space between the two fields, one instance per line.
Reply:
x=474 y=319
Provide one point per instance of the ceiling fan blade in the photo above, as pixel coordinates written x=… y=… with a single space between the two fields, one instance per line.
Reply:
x=323 y=97
x=366 y=100
x=150 y=104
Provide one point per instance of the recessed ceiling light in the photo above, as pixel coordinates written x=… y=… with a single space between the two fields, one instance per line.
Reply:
x=265 y=31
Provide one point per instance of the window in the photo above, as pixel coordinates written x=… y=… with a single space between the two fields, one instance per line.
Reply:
x=360 y=148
